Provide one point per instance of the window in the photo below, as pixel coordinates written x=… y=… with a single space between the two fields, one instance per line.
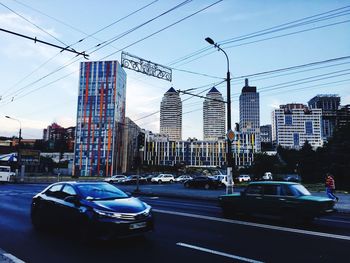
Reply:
x=288 y=120
x=308 y=127
x=68 y=191
x=254 y=190
x=296 y=139
x=54 y=191
x=287 y=191
x=271 y=190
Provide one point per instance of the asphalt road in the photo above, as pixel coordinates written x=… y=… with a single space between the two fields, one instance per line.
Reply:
x=186 y=231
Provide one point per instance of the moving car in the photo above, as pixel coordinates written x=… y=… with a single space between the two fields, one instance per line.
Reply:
x=182 y=178
x=203 y=182
x=96 y=209
x=243 y=178
x=267 y=176
x=132 y=179
x=5 y=173
x=289 y=201
x=163 y=178
x=115 y=179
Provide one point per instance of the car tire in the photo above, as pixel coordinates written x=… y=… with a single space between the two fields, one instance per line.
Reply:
x=206 y=186
x=187 y=185
x=159 y=181
x=171 y=181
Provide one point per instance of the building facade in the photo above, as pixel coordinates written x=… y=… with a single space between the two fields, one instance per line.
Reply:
x=266 y=133
x=213 y=116
x=329 y=105
x=249 y=113
x=159 y=150
x=171 y=115
x=130 y=151
x=100 y=118
x=343 y=116
x=294 y=124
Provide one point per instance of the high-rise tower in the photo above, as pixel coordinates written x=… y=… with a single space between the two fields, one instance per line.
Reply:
x=100 y=115
x=213 y=116
x=249 y=113
x=171 y=115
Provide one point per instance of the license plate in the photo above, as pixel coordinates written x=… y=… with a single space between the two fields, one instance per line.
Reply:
x=138 y=225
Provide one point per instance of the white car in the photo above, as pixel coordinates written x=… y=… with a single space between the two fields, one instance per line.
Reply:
x=163 y=178
x=183 y=178
x=115 y=179
x=243 y=178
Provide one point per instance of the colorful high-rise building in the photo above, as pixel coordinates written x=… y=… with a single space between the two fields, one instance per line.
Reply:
x=100 y=118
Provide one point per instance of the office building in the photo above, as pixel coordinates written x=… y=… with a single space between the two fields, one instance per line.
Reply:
x=171 y=115
x=294 y=124
x=213 y=116
x=329 y=105
x=100 y=118
x=249 y=113
x=266 y=133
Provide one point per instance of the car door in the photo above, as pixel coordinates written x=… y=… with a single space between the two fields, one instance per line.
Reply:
x=272 y=201
x=251 y=201
x=50 y=204
x=69 y=206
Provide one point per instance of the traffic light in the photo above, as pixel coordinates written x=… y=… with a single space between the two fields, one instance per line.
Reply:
x=140 y=140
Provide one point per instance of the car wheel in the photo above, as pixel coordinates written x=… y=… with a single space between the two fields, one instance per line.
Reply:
x=187 y=185
x=159 y=181
x=171 y=181
x=206 y=186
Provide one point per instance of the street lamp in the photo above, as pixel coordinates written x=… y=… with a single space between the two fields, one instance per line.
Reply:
x=228 y=101
x=19 y=143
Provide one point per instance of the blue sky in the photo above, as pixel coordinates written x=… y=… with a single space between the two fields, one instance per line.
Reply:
x=37 y=101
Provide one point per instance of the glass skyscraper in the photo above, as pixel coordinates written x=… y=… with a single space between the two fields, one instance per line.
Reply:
x=100 y=118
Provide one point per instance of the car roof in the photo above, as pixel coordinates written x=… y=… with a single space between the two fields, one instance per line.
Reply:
x=272 y=183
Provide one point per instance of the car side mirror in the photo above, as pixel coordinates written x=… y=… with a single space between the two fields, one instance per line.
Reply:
x=72 y=199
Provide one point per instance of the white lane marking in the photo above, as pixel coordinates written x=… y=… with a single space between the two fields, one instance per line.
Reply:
x=13 y=258
x=285 y=229
x=218 y=253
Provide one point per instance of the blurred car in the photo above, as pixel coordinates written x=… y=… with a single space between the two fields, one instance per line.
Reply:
x=149 y=177
x=132 y=179
x=94 y=209
x=222 y=178
x=292 y=178
x=203 y=182
x=289 y=201
x=163 y=178
x=243 y=178
x=267 y=176
x=183 y=178
x=115 y=178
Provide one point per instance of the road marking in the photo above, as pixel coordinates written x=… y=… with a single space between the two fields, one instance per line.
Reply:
x=334 y=221
x=218 y=253
x=13 y=258
x=285 y=229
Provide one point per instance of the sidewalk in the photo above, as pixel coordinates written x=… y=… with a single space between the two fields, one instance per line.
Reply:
x=179 y=191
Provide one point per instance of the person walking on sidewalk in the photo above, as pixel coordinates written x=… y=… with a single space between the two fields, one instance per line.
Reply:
x=330 y=187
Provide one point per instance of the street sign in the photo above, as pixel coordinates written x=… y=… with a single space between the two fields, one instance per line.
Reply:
x=230 y=135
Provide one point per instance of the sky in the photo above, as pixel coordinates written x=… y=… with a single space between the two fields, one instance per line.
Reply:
x=39 y=83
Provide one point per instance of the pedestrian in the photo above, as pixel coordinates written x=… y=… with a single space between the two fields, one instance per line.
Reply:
x=330 y=187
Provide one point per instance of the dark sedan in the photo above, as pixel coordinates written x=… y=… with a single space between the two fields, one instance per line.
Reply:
x=98 y=210
x=287 y=200
x=203 y=182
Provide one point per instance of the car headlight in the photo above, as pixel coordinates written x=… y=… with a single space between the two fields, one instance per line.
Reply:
x=147 y=211
x=107 y=213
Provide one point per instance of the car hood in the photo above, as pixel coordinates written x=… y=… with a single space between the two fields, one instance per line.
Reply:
x=124 y=205
x=315 y=198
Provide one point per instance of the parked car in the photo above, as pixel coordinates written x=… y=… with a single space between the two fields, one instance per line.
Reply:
x=292 y=178
x=163 y=178
x=289 y=201
x=132 y=179
x=6 y=174
x=203 y=182
x=267 y=176
x=149 y=177
x=94 y=209
x=243 y=178
x=115 y=178
x=222 y=178
x=183 y=178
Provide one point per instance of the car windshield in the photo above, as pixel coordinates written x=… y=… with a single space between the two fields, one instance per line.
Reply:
x=100 y=192
x=300 y=189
